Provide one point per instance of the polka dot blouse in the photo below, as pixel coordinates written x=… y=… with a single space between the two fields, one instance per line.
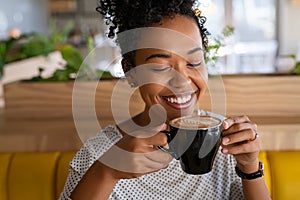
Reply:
x=170 y=183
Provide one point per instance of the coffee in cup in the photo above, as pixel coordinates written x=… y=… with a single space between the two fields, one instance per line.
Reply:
x=195 y=140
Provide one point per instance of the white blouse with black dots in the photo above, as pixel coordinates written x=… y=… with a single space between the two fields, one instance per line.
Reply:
x=168 y=184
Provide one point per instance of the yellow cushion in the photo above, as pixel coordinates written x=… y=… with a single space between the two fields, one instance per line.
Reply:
x=4 y=163
x=32 y=176
x=267 y=175
x=62 y=171
x=285 y=174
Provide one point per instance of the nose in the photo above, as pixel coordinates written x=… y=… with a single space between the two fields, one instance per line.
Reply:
x=179 y=78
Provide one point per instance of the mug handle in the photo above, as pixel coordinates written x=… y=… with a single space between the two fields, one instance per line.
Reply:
x=172 y=153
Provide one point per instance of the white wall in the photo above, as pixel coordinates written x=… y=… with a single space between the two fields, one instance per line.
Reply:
x=289 y=26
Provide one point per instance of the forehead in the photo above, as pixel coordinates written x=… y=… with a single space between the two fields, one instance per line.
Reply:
x=178 y=35
x=184 y=26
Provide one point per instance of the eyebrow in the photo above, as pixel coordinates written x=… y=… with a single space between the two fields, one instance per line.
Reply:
x=194 y=50
x=158 y=56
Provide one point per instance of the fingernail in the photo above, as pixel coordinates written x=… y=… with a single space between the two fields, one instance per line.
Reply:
x=224 y=150
x=225 y=125
x=225 y=140
x=164 y=126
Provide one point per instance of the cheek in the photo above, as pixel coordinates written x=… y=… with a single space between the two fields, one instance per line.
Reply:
x=201 y=78
x=149 y=92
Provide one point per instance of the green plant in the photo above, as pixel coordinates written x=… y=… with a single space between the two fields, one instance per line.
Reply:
x=5 y=47
x=218 y=41
x=26 y=46
x=29 y=45
x=33 y=44
x=58 y=37
x=297 y=68
x=74 y=63
x=73 y=60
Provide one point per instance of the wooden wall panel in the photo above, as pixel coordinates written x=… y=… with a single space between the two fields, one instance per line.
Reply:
x=40 y=114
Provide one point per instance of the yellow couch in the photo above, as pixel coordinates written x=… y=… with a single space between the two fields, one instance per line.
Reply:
x=33 y=176
x=41 y=176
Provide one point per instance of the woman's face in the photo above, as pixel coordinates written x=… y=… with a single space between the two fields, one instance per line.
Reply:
x=173 y=74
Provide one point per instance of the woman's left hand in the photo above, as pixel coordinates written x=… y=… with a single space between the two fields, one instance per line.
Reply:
x=240 y=138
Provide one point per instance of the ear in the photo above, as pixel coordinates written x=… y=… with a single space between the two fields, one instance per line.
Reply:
x=129 y=73
x=126 y=66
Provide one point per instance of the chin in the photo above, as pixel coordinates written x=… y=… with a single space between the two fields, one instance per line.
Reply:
x=172 y=114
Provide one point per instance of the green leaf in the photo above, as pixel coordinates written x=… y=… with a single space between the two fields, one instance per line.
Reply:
x=37 y=45
x=211 y=55
x=2 y=57
x=59 y=37
x=72 y=56
x=60 y=75
x=228 y=31
x=297 y=68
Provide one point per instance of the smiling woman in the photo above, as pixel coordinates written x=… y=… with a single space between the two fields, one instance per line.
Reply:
x=162 y=44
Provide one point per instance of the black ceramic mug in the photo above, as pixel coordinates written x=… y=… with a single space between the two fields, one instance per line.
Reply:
x=194 y=140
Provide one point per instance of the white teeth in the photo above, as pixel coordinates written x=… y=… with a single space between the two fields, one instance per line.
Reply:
x=180 y=100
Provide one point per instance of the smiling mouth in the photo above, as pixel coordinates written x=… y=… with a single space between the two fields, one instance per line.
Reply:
x=179 y=100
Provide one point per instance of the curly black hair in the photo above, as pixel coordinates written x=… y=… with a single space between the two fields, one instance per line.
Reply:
x=123 y=15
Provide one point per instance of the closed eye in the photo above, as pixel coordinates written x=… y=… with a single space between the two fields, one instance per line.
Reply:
x=161 y=69
x=194 y=65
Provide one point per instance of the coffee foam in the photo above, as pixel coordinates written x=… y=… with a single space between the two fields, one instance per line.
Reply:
x=195 y=122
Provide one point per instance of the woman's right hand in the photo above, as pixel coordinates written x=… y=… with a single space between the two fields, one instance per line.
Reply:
x=136 y=154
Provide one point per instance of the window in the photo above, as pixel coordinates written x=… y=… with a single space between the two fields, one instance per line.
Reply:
x=253 y=46
x=26 y=15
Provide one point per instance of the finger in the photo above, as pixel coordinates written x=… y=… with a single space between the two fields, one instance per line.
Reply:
x=239 y=127
x=148 y=131
x=143 y=145
x=159 y=139
x=162 y=127
x=143 y=164
x=256 y=136
x=159 y=156
x=233 y=120
x=241 y=148
x=245 y=135
x=133 y=162
x=156 y=160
